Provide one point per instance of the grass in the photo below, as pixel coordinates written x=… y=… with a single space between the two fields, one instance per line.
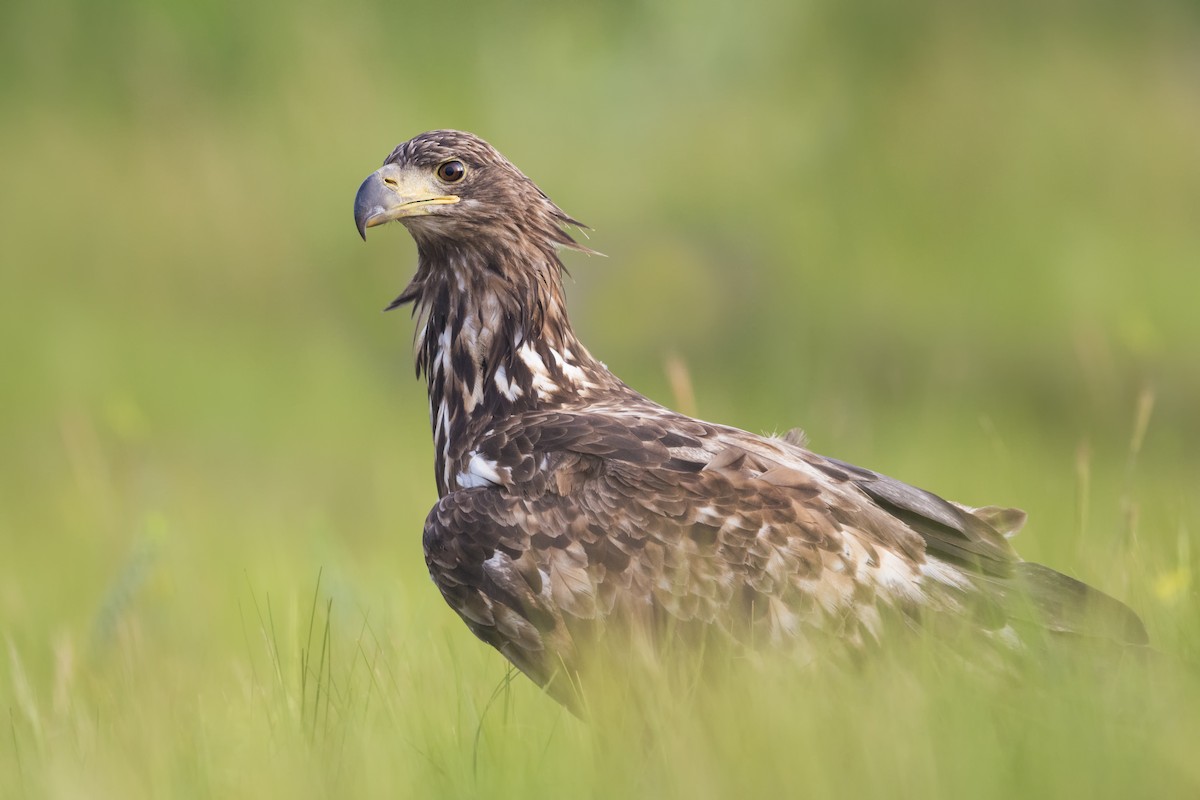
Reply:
x=955 y=243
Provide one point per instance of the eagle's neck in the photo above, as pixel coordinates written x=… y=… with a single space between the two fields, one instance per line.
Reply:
x=494 y=340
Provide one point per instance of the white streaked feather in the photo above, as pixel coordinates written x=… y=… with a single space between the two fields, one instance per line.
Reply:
x=480 y=471
x=537 y=368
x=510 y=390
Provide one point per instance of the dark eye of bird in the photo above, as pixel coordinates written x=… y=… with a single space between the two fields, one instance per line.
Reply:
x=451 y=171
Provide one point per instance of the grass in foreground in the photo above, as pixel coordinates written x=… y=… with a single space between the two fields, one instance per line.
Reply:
x=321 y=702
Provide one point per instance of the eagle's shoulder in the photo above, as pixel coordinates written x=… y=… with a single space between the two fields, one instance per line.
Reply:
x=528 y=452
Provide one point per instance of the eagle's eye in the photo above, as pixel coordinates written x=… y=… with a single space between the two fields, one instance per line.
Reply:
x=451 y=171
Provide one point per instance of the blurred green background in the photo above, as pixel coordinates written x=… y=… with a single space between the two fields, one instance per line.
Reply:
x=956 y=242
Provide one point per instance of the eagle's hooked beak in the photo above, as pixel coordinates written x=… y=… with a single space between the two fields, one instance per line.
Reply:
x=392 y=192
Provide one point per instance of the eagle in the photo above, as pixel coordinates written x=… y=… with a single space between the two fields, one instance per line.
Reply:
x=572 y=508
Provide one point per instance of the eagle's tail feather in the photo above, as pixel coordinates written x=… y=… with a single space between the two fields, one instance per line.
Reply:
x=1061 y=604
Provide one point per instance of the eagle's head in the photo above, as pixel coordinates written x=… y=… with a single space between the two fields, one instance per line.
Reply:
x=453 y=188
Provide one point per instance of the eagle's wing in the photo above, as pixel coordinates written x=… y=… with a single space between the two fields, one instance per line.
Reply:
x=575 y=522
x=950 y=531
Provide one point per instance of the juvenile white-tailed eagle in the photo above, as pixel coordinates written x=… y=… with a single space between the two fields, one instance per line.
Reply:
x=572 y=506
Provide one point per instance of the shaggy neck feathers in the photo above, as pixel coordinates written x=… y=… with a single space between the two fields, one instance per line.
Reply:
x=493 y=340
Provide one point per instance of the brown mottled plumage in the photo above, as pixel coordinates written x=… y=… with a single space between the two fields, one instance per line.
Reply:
x=573 y=507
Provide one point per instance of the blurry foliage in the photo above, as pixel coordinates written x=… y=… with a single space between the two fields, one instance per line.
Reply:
x=954 y=241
